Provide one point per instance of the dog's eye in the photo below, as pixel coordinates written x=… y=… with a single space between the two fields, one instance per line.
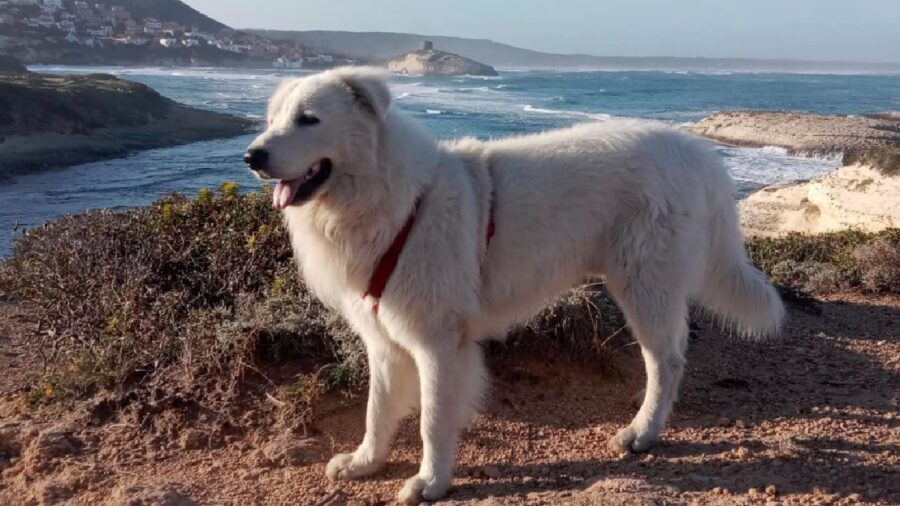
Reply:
x=306 y=119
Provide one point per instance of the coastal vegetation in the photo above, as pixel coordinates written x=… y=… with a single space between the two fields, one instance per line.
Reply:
x=198 y=299
x=885 y=158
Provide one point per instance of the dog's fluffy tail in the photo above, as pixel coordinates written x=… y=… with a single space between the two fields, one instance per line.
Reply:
x=735 y=290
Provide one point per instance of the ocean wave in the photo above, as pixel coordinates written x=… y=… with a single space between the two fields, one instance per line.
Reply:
x=484 y=78
x=772 y=164
x=559 y=112
x=433 y=111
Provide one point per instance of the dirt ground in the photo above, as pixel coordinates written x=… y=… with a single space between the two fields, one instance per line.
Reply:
x=809 y=418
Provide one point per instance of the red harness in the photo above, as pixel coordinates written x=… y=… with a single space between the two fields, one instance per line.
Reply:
x=388 y=261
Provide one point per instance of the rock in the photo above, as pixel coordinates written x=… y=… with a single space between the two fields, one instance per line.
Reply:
x=193 y=439
x=771 y=490
x=259 y=459
x=742 y=452
x=430 y=61
x=288 y=450
x=151 y=495
x=49 y=445
x=10 y=445
x=799 y=133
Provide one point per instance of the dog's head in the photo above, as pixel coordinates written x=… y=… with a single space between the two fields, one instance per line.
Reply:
x=320 y=129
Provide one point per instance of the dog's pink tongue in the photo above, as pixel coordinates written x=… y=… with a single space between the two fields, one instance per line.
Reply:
x=284 y=193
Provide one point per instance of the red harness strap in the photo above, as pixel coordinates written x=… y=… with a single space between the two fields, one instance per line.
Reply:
x=388 y=261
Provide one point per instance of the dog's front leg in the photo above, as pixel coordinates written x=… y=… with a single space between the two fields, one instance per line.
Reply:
x=451 y=377
x=393 y=393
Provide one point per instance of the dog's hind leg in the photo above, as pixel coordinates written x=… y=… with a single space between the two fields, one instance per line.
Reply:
x=656 y=311
x=393 y=394
x=452 y=378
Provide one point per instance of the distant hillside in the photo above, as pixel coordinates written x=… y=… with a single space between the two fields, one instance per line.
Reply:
x=382 y=46
x=169 y=10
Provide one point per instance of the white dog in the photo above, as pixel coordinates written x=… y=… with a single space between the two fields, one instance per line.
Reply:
x=428 y=249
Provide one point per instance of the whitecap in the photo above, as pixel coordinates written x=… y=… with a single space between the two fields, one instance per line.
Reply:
x=558 y=112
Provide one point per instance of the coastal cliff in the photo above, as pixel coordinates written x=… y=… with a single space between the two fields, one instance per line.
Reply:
x=863 y=194
x=50 y=121
x=430 y=61
x=854 y=196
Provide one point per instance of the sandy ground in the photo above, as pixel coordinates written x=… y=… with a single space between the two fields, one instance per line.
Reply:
x=810 y=418
x=854 y=196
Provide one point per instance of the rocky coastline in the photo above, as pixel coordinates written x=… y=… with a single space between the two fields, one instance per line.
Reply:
x=862 y=194
x=49 y=121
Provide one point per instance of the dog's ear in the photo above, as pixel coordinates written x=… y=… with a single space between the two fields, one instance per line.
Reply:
x=369 y=88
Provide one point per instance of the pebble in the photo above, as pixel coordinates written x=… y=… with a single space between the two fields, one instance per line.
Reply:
x=192 y=439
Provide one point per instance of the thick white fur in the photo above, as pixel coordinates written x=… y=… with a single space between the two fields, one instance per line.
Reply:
x=650 y=208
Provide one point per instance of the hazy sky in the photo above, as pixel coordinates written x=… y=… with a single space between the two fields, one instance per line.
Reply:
x=856 y=30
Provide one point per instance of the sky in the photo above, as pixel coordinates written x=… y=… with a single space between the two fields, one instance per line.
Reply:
x=848 y=30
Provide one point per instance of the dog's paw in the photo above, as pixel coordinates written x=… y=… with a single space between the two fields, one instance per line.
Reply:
x=630 y=440
x=344 y=466
x=418 y=489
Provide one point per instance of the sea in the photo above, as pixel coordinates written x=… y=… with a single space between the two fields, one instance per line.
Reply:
x=514 y=103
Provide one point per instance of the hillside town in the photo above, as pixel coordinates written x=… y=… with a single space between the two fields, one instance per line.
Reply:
x=101 y=25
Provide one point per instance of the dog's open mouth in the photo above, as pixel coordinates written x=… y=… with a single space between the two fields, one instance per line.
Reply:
x=296 y=191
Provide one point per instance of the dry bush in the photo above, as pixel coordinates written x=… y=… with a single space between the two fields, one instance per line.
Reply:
x=199 y=297
x=199 y=300
x=879 y=266
x=826 y=263
x=579 y=325
x=811 y=277
x=187 y=293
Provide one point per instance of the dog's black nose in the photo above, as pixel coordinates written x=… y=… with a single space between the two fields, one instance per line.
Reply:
x=257 y=159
